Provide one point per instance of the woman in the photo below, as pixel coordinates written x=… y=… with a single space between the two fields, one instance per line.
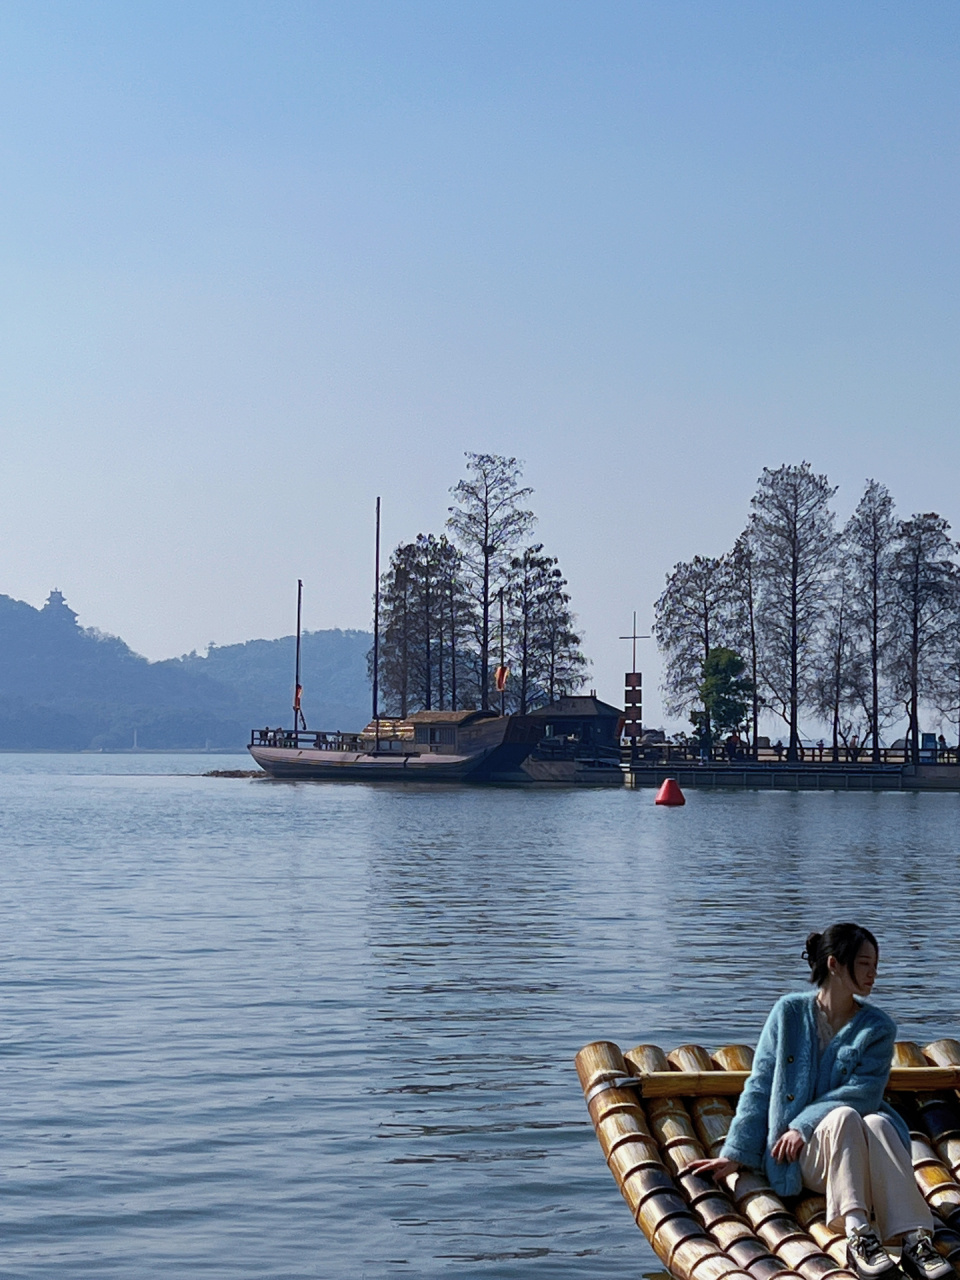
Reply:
x=812 y=1112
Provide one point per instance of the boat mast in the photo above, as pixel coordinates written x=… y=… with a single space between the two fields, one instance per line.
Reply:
x=376 y=633
x=297 y=688
x=502 y=674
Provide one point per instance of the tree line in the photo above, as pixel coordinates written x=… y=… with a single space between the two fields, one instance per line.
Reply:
x=443 y=596
x=858 y=625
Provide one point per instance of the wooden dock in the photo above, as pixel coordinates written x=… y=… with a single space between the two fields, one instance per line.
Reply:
x=808 y=776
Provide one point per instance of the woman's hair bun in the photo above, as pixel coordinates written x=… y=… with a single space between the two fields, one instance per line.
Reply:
x=842 y=941
x=811 y=950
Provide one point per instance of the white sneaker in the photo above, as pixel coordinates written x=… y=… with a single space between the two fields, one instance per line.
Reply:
x=920 y=1260
x=870 y=1260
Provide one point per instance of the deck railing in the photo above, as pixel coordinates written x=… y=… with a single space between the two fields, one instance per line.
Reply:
x=326 y=740
x=306 y=739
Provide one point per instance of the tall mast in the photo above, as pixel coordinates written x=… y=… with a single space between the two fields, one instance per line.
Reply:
x=376 y=632
x=297 y=689
x=503 y=663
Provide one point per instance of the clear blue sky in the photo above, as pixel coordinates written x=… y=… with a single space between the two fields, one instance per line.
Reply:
x=261 y=262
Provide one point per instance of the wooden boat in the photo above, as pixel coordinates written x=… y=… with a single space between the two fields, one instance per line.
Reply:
x=430 y=746
x=655 y=1112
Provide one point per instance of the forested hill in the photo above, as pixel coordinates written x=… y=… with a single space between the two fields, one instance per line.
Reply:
x=65 y=687
x=333 y=664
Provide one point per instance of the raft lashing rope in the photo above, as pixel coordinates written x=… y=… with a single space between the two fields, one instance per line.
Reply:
x=651 y=1128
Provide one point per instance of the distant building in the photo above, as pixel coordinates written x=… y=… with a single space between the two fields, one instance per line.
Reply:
x=57 y=609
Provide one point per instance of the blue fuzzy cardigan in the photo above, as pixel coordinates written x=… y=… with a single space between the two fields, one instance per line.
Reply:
x=793 y=1085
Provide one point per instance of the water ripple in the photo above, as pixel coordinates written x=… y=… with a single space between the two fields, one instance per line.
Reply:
x=328 y=1031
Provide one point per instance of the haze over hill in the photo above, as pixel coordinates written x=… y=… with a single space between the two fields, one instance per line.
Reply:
x=70 y=688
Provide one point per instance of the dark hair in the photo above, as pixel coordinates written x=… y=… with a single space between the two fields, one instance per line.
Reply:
x=842 y=941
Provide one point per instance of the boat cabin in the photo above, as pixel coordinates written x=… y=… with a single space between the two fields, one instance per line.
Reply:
x=584 y=722
x=441 y=730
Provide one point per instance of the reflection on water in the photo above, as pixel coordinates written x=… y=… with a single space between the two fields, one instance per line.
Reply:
x=328 y=1030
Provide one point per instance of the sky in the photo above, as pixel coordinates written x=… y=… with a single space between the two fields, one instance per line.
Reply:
x=262 y=262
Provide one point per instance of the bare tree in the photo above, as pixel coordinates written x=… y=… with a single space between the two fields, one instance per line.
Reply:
x=792 y=528
x=838 y=684
x=925 y=590
x=425 y=629
x=690 y=619
x=397 y=595
x=488 y=522
x=436 y=567
x=945 y=692
x=563 y=665
x=545 y=648
x=868 y=541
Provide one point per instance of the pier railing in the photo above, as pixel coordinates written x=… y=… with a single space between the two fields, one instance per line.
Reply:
x=686 y=753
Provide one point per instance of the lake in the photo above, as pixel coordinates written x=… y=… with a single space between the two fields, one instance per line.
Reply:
x=327 y=1030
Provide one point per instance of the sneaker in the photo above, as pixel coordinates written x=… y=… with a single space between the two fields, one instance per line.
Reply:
x=868 y=1258
x=920 y=1260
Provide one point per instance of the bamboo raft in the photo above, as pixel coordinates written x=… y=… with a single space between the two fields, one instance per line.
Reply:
x=654 y=1113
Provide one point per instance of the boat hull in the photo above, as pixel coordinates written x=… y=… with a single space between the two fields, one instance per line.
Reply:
x=384 y=766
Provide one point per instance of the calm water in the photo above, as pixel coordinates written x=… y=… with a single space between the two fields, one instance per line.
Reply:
x=257 y=1029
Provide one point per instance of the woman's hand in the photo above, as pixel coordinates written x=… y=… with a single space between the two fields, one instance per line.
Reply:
x=788 y=1146
x=718 y=1168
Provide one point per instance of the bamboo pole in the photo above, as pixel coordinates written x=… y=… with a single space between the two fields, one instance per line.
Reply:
x=693 y=1084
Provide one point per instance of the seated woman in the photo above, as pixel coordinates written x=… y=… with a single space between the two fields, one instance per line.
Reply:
x=812 y=1112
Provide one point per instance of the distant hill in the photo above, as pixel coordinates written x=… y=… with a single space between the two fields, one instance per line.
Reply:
x=68 y=688
x=333 y=665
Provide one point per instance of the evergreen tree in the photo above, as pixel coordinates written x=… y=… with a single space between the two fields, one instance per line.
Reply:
x=724 y=693
x=742 y=603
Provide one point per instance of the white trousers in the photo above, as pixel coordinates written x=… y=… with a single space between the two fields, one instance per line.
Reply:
x=860 y=1162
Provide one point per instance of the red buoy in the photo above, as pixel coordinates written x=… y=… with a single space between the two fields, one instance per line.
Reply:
x=670 y=792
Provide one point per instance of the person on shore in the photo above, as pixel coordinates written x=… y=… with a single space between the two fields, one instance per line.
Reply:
x=812 y=1113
